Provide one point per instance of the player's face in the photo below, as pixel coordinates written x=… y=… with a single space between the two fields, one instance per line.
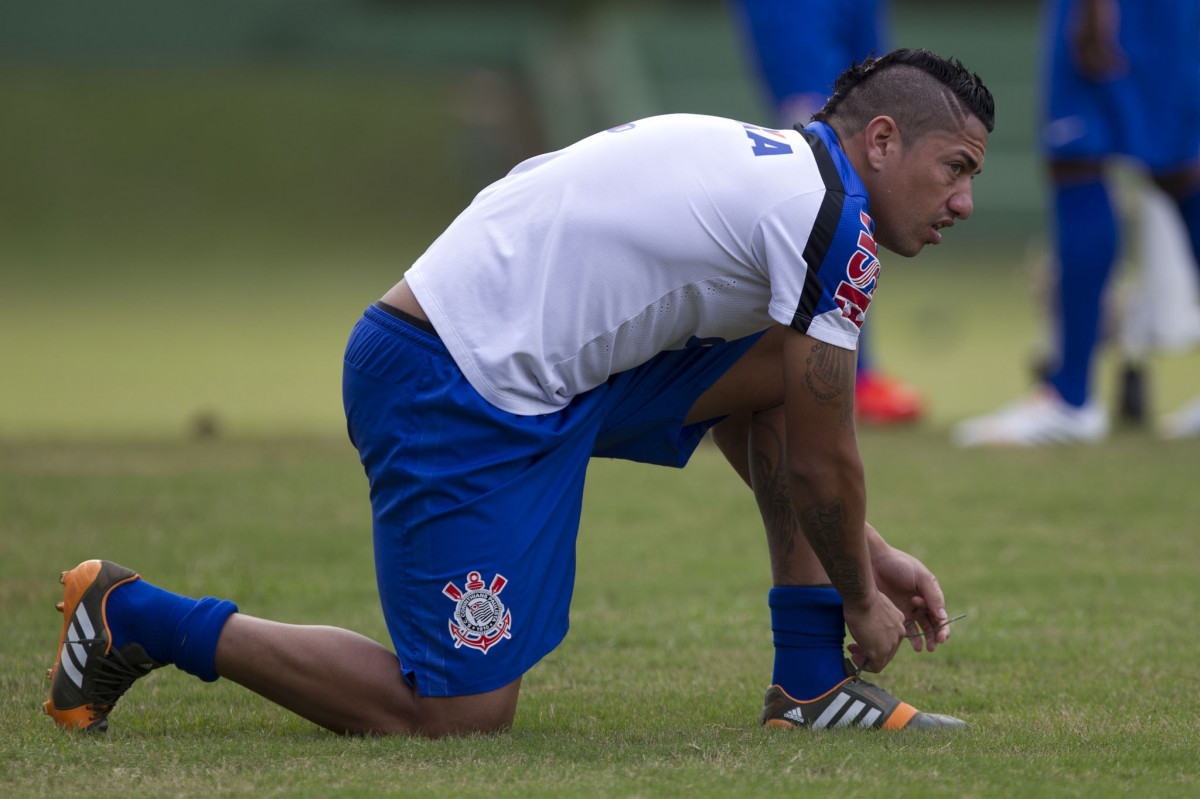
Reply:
x=927 y=187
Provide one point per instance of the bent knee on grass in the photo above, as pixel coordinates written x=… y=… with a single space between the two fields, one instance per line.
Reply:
x=489 y=712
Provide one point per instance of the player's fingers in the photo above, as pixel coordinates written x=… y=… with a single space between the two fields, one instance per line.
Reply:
x=922 y=632
x=939 y=631
x=935 y=631
x=933 y=634
x=931 y=598
x=913 y=632
x=857 y=655
x=915 y=628
x=940 y=634
x=864 y=662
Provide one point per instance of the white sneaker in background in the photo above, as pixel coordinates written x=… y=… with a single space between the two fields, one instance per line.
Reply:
x=1183 y=423
x=1033 y=421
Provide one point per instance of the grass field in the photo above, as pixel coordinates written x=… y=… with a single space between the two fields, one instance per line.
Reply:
x=1076 y=664
x=1078 y=568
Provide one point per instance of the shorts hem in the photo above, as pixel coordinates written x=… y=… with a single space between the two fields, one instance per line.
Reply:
x=429 y=688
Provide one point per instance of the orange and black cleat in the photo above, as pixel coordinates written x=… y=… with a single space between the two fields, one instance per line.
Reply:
x=88 y=676
x=851 y=703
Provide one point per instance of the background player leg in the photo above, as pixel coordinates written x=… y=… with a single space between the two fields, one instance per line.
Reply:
x=1183 y=185
x=1162 y=313
x=1086 y=242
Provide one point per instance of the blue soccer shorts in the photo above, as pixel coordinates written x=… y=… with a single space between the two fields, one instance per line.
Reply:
x=804 y=45
x=1149 y=112
x=476 y=510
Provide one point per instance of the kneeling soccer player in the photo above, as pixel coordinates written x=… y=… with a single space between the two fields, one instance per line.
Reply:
x=619 y=298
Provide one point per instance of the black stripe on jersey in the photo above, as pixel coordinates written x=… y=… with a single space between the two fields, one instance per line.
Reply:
x=821 y=238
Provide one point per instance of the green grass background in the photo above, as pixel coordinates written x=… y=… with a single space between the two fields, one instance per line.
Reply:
x=1075 y=664
x=180 y=244
x=184 y=244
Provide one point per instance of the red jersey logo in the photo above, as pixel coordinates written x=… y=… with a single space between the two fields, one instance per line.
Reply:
x=854 y=296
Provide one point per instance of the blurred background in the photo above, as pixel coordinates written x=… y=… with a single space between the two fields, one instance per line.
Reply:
x=198 y=199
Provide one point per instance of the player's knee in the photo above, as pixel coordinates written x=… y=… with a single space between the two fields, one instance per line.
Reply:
x=442 y=727
x=489 y=712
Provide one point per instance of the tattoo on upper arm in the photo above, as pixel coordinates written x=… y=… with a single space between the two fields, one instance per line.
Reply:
x=824 y=526
x=829 y=375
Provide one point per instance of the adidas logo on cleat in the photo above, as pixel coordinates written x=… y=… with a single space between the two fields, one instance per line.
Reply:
x=795 y=716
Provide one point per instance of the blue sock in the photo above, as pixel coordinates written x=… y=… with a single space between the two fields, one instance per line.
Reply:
x=171 y=628
x=809 y=633
x=1087 y=240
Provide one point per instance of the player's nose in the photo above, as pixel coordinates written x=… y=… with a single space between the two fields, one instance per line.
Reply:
x=961 y=203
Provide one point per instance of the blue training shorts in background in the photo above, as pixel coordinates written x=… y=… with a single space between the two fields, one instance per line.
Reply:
x=804 y=45
x=1151 y=112
x=476 y=510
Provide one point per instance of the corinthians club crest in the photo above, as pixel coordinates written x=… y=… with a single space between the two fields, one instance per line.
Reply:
x=480 y=619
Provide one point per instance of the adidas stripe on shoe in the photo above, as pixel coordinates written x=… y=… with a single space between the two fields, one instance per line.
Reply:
x=88 y=676
x=851 y=703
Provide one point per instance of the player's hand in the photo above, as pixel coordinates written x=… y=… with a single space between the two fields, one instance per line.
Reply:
x=877 y=627
x=1094 y=43
x=915 y=592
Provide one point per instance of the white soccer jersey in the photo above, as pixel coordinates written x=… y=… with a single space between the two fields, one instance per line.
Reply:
x=665 y=233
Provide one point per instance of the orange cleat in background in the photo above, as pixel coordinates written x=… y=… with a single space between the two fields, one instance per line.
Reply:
x=883 y=400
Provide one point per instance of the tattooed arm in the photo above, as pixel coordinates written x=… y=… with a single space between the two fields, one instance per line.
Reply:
x=825 y=481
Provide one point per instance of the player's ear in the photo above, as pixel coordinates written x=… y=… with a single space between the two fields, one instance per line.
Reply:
x=882 y=140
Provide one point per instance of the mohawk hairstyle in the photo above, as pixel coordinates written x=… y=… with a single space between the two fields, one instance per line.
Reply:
x=920 y=90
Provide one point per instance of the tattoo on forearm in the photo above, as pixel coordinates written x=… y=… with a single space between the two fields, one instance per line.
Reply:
x=771 y=492
x=829 y=374
x=824 y=526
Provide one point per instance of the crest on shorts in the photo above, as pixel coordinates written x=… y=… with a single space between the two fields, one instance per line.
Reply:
x=480 y=619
